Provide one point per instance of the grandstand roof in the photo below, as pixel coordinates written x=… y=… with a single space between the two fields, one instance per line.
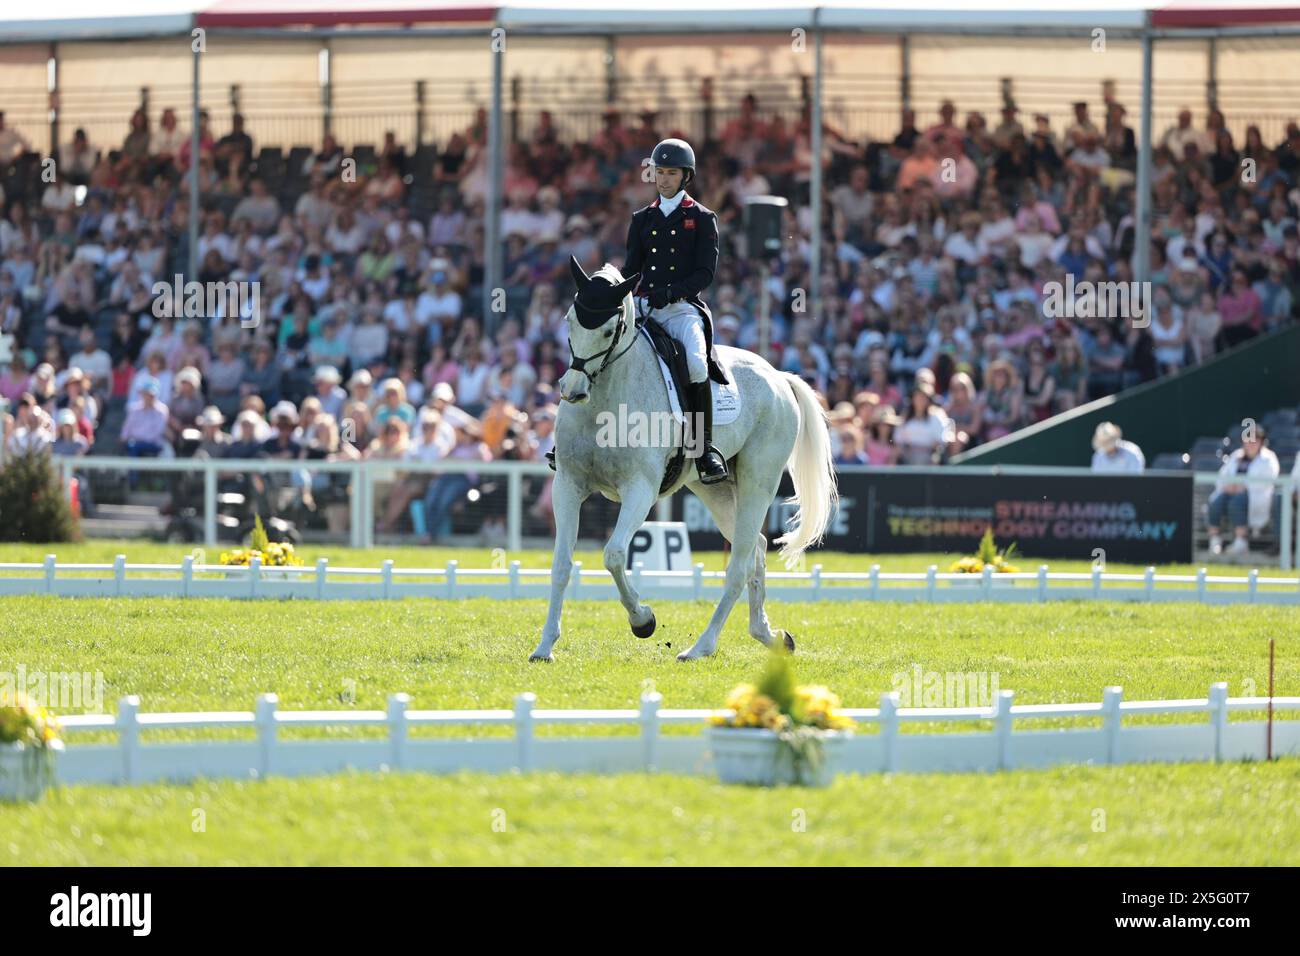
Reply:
x=64 y=20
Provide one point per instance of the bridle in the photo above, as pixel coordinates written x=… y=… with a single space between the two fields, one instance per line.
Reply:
x=579 y=363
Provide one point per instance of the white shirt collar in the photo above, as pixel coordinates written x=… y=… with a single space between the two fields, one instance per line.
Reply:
x=667 y=206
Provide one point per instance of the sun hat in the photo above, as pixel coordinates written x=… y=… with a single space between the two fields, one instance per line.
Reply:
x=1106 y=436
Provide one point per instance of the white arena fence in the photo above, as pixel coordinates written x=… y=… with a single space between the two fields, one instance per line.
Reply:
x=878 y=746
x=324 y=582
x=364 y=477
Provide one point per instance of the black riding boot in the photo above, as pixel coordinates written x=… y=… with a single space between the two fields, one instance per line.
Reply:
x=711 y=465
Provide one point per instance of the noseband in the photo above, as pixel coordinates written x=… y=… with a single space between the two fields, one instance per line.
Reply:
x=579 y=363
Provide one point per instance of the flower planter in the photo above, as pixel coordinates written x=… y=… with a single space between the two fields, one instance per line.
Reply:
x=977 y=581
x=24 y=775
x=758 y=757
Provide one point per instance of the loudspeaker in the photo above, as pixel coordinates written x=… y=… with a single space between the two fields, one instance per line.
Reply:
x=763 y=219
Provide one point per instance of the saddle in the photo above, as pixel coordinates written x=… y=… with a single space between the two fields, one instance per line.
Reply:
x=674 y=356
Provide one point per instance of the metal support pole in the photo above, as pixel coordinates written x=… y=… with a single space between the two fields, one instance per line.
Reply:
x=514 y=510
x=419 y=113
x=1212 y=74
x=52 y=88
x=815 y=180
x=611 y=70
x=210 y=505
x=905 y=71
x=492 y=227
x=1288 y=522
x=194 y=172
x=326 y=90
x=1142 y=218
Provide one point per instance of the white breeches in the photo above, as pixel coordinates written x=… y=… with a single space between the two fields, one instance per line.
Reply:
x=684 y=323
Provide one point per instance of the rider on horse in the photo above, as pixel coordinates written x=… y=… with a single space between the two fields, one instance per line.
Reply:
x=673 y=243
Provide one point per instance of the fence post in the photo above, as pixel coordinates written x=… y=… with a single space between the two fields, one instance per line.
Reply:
x=1253 y=584
x=265 y=718
x=50 y=564
x=1218 y=707
x=1002 y=726
x=524 y=730
x=888 y=730
x=388 y=578
x=514 y=580
x=451 y=578
x=210 y=505
x=322 y=566
x=816 y=582
x=930 y=572
x=1110 y=720
x=514 y=510
x=128 y=736
x=254 y=575
x=1150 y=582
x=397 y=729
x=1042 y=583
x=698 y=580
x=650 y=702
x=1200 y=585
x=875 y=582
x=1096 y=582
x=986 y=586
x=355 y=517
x=119 y=574
x=187 y=574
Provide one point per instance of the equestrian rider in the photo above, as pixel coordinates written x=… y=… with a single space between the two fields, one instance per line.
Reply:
x=673 y=243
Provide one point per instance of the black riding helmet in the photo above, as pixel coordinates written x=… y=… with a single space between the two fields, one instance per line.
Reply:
x=675 y=154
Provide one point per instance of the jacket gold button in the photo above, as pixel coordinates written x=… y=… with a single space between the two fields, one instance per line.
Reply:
x=654 y=232
x=652 y=268
x=672 y=232
x=672 y=268
x=672 y=250
x=654 y=250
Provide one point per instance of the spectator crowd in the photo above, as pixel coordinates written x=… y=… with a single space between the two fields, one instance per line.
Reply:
x=931 y=335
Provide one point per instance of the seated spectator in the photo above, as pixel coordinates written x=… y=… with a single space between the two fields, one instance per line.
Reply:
x=1243 y=504
x=1112 y=454
x=94 y=362
x=926 y=431
x=32 y=431
x=1239 y=309
x=186 y=403
x=214 y=442
x=145 y=429
x=259 y=207
x=1105 y=364
x=1070 y=375
x=448 y=488
x=393 y=404
x=331 y=396
x=1002 y=402
x=1040 y=386
x=963 y=408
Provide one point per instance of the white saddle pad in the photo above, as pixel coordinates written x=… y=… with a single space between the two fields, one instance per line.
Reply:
x=726 y=398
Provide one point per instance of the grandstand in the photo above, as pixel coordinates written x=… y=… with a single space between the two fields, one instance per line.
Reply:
x=944 y=225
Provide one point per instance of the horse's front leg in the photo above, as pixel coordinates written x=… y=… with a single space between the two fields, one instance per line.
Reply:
x=637 y=500
x=566 y=501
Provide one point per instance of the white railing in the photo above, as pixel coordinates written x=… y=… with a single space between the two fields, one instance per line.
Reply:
x=388 y=582
x=878 y=746
x=364 y=475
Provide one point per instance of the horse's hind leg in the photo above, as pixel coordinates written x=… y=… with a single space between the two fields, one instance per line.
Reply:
x=754 y=494
x=636 y=501
x=720 y=499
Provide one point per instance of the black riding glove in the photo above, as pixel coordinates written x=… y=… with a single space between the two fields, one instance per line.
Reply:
x=661 y=297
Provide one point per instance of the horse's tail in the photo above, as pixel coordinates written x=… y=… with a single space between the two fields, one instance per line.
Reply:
x=813 y=473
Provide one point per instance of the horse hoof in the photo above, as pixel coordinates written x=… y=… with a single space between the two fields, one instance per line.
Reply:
x=788 y=640
x=645 y=630
x=544 y=658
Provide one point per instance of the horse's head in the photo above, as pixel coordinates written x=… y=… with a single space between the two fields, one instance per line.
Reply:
x=601 y=318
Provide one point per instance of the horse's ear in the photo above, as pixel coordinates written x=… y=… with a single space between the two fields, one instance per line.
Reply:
x=626 y=286
x=579 y=277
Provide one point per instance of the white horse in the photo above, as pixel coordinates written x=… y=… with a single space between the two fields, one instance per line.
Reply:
x=780 y=425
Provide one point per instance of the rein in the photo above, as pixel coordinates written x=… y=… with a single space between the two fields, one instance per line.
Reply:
x=578 y=363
